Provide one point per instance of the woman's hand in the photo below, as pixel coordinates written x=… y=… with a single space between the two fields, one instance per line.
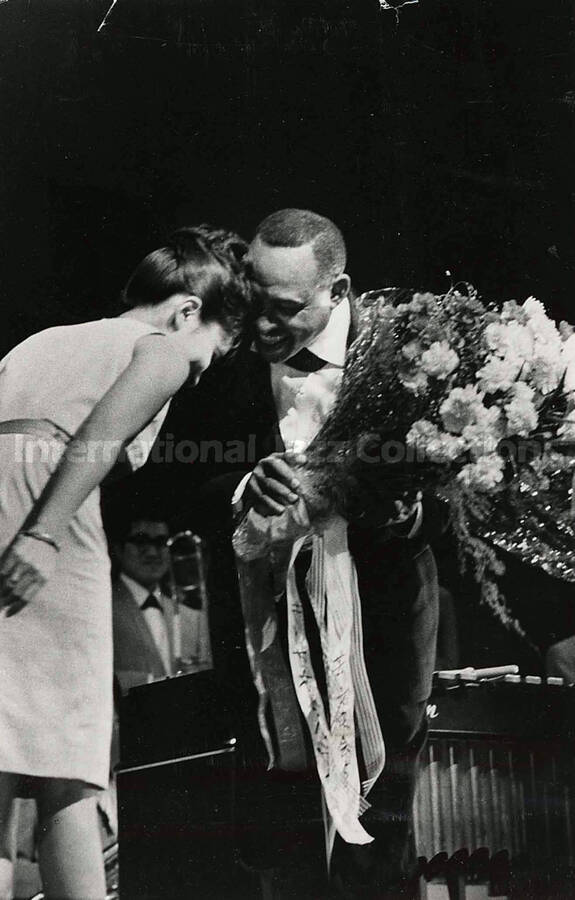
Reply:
x=25 y=567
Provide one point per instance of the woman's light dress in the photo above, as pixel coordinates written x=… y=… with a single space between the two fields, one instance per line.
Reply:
x=56 y=653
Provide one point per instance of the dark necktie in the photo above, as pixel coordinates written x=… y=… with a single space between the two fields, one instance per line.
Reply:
x=305 y=361
x=151 y=602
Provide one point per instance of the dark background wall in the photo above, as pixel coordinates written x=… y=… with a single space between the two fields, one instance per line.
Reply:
x=438 y=138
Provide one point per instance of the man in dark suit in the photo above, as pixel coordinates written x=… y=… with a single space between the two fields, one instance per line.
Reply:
x=271 y=403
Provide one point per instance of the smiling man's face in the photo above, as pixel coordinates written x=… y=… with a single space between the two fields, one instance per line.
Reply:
x=296 y=306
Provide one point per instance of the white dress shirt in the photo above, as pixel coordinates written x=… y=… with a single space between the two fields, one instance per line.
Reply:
x=155 y=618
x=303 y=400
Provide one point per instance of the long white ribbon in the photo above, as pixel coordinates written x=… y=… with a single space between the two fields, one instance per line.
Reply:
x=334 y=597
x=333 y=590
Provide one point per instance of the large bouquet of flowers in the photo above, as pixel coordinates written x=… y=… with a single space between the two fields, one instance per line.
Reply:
x=449 y=395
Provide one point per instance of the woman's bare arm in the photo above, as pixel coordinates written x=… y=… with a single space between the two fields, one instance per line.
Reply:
x=157 y=370
x=152 y=377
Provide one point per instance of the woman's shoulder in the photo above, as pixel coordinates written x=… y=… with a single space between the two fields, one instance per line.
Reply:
x=162 y=352
x=114 y=336
x=105 y=345
x=74 y=331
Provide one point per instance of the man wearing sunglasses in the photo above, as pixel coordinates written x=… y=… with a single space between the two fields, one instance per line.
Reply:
x=143 y=613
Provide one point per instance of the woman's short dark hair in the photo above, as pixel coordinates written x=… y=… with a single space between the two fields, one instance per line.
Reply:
x=199 y=260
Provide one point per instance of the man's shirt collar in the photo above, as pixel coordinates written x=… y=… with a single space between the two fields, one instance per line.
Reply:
x=139 y=592
x=331 y=344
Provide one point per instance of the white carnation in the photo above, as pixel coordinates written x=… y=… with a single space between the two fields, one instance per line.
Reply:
x=483 y=475
x=499 y=374
x=568 y=364
x=445 y=448
x=521 y=391
x=421 y=434
x=462 y=407
x=439 y=360
x=545 y=372
x=510 y=339
x=432 y=444
x=520 y=340
x=495 y=336
x=414 y=380
x=546 y=337
x=534 y=308
x=480 y=439
x=543 y=329
x=521 y=417
x=411 y=350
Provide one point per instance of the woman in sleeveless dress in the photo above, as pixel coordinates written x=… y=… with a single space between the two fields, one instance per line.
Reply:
x=73 y=398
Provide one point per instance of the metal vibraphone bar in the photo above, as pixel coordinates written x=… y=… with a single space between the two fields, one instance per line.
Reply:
x=476 y=793
x=498 y=772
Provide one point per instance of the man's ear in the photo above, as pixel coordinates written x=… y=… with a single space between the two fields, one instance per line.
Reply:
x=340 y=289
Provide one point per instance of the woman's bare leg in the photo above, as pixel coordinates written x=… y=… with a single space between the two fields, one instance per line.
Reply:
x=8 y=786
x=69 y=845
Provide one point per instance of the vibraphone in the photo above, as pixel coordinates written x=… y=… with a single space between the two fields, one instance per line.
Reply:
x=499 y=774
